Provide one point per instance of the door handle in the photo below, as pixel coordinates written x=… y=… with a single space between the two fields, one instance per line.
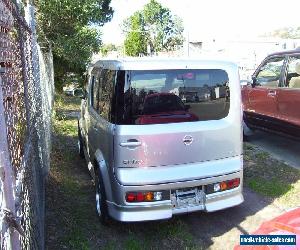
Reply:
x=95 y=128
x=131 y=144
x=272 y=93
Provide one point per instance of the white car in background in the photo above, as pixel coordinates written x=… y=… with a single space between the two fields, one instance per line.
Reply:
x=73 y=91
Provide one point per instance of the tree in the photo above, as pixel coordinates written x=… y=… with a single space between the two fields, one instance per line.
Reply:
x=288 y=32
x=106 y=48
x=70 y=28
x=154 y=26
x=136 y=41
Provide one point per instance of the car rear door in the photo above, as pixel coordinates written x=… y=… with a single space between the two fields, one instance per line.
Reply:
x=216 y=133
x=261 y=108
x=288 y=97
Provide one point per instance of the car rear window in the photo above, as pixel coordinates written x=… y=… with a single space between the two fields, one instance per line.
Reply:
x=171 y=96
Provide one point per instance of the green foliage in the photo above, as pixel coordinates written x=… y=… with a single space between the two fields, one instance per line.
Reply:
x=135 y=42
x=289 y=32
x=108 y=48
x=154 y=26
x=67 y=24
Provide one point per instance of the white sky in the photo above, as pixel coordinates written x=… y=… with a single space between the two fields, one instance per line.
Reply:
x=229 y=19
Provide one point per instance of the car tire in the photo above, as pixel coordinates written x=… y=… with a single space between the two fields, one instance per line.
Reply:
x=245 y=137
x=247 y=132
x=80 y=143
x=101 y=206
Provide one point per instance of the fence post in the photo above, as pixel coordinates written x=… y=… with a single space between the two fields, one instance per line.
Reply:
x=29 y=16
x=7 y=178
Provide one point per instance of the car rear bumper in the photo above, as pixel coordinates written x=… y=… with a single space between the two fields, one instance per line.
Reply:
x=130 y=212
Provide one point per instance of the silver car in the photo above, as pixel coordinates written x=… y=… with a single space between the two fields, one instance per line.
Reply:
x=153 y=152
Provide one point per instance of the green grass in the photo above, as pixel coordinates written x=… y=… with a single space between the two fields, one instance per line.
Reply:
x=78 y=240
x=262 y=156
x=111 y=245
x=173 y=234
x=270 y=177
x=63 y=102
x=133 y=243
x=66 y=127
x=271 y=188
x=71 y=198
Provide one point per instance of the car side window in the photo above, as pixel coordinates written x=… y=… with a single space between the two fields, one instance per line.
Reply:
x=95 y=93
x=269 y=73
x=91 y=90
x=293 y=73
x=107 y=82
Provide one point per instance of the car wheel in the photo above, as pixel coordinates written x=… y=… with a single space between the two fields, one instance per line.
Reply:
x=101 y=206
x=245 y=137
x=80 y=143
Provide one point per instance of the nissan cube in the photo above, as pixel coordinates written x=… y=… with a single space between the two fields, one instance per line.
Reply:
x=162 y=137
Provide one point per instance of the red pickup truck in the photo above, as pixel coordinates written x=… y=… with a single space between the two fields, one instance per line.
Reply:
x=271 y=101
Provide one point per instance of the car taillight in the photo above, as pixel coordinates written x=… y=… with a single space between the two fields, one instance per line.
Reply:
x=143 y=196
x=139 y=197
x=130 y=197
x=233 y=183
x=236 y=182
x=222 y=186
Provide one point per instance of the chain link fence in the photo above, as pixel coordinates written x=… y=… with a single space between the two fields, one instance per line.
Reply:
x=26 y=100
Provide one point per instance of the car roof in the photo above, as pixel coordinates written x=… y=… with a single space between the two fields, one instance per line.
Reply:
x=285 y=52
x=155 y=63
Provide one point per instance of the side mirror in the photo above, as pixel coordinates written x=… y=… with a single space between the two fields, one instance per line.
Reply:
x=253 y=83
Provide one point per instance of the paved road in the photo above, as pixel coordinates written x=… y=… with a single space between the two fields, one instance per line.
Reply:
x=279 y=147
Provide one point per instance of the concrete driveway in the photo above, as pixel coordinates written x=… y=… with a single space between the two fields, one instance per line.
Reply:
x=281 y=148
